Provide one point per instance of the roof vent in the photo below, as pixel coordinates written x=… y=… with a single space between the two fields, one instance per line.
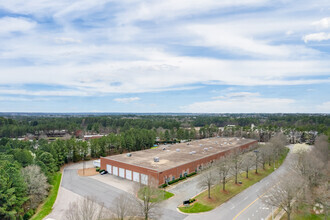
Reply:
x=178 y=150
x=128 y=154
x=156 y=159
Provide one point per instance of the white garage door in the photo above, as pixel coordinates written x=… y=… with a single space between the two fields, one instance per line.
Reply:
x=129 y=174
x=122 y=172
x=109 y=169
x=144 y=179
x=136 y=177
x=115 y=170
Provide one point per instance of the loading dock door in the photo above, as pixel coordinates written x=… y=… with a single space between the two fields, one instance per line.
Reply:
x=144 y=179
x=109 y=169
x=115 y=170
x=129 y=174
x=136 y=177
x=122 y=172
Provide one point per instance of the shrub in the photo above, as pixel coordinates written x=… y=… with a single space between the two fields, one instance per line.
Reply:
x=101 y=171
x=173 y=181
x=192 y=200
x=97 y=169
x=191 y=174
x=29 y=214
x=163 y=185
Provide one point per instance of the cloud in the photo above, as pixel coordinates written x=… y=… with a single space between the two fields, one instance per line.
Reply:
x=171 y=9
x=323 y=108
x=126 y=100
x=316 y=37
x=324 y=23
x=11 y=24
x=66 y=40
x=245 y=103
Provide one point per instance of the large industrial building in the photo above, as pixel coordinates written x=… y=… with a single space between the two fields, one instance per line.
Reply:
x=169 y=162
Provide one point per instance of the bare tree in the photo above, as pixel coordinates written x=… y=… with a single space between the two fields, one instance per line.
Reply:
x=256 y=160
x=322 y=196
x=247 y=163
x=236 y=163
x=86 y=209
x=37 y=186
x=264 y=153
x=310 y=167
x=124 y=207
x=147 y=201
x=321 y=148
x=278 y=143
x=223 y=167
x=207 y=180
x=285 y=193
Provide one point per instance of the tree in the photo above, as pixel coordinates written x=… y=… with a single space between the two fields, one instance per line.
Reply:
x=23 y=156
x=236 y=163
x=148 y=200
x=124 y=207
x=207 y=180
x=37 y=185
x=12 y=190
x=284 y=193
x=247 y=163
x=278 y=143
x=47 y=163
x=86 y=209
x=223 y=167
x=256 y=160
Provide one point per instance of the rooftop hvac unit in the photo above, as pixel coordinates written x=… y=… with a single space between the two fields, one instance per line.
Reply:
x=164 y=148
x=200 y=145
x=156 y=159
x=128 y=154
x=193 y=152
x=178 y=150
x=206 y=149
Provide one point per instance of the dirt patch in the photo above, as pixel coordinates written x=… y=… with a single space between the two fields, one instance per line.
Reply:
x=87 y=172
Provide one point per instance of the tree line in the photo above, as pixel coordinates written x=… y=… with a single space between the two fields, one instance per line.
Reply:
x=18 y=126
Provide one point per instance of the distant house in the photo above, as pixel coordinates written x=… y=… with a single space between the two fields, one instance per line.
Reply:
x=89 y=137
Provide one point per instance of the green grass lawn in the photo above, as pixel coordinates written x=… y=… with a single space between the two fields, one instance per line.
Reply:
x=304 y=216
x=46 y=208
x=160 y=195
x=218 y=197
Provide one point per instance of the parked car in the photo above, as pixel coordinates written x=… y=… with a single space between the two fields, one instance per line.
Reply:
x=104 y=172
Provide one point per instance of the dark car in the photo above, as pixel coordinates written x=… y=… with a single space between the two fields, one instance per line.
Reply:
x=104 y=172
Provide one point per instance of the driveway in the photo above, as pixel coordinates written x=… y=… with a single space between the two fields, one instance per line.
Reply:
x=75 y=187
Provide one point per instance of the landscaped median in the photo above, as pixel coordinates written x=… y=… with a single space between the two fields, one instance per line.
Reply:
x=203 y=203
x=157 y=195
x=47 y=206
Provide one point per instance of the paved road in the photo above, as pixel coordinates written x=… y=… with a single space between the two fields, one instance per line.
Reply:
x=246 y=205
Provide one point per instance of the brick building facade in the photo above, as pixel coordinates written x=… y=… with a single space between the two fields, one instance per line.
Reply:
x=172 y=161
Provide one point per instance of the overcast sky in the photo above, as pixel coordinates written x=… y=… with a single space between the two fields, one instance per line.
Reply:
x=165 y=56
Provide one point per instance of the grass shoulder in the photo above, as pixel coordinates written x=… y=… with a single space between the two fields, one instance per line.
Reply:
x=204 y=204
x=47 y=206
